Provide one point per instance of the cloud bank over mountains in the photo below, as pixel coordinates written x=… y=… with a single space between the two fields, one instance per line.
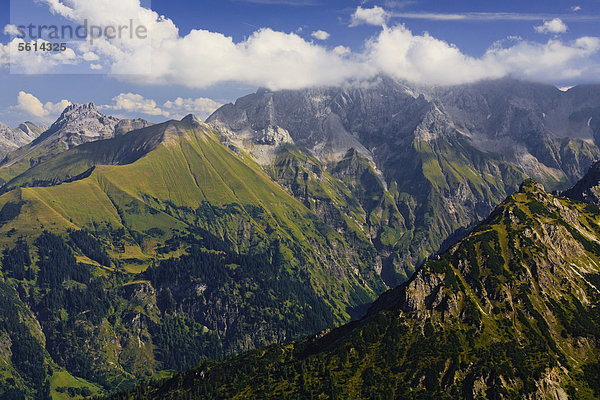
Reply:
x=175 y=109
x=123 y=105
x=280 y=60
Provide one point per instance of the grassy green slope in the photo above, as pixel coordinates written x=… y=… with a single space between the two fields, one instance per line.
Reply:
x=442 y=186
x=189 y=168
x=201 y=252
x=192 y=169
x=511 y=311
x=76 y=162
x=187 y=187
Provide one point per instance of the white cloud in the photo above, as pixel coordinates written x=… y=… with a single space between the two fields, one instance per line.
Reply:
x=201 y=107
x=342 y=50
x=425 y=59
x=279 y=60
x=267 y=58
x=11 y=30
x=554 y=26
x=576 y=8
x=96 y=67
x=370 y=16
x=90 y=56
x=129 y=103
x=135 y=104
x=554 y=60
x=320 y=35
x=4 y=55
x=32 y=106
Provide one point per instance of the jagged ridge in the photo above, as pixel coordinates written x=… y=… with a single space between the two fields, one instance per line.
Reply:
x=76 y=125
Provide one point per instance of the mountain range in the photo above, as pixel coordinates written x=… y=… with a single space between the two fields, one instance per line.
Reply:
x=136 y=250
x=509 y=312
x=432 y=160
x=152 y=250
x=77 y=124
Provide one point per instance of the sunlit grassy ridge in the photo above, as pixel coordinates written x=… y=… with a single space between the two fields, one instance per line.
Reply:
x=186 y=166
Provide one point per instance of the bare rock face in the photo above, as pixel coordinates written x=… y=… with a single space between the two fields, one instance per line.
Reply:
x=446 y=156
x=418 y=292
x=587 y=189
x=306 y=116
x=84 y=123
x=273 y=136
x=81 y=124
x=127 y=125
x=12 y=139
x=548 y=134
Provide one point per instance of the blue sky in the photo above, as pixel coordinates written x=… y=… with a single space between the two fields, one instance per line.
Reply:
x=212 y=51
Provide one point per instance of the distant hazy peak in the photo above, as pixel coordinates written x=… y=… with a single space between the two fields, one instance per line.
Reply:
x=191 y=118
x=32 y=129
x=12 y=139
x=128 y=125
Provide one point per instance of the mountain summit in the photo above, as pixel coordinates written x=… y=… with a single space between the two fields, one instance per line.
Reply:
x=78 y=124
x=12 y=139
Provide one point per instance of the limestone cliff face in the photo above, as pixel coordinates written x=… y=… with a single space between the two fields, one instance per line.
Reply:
x=80 y=124
x=445 y=156
x=12 y=139
x=548 y=134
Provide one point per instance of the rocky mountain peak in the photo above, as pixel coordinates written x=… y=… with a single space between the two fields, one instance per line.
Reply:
x=434 y=124
x=80 y=110
x=192 y=119
x=84 y=106
x=81 y=123
x=25 y=127
x=75 y=110
x=12 y=139
x=77 y=124
x=531 y=186
x=262 y=91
